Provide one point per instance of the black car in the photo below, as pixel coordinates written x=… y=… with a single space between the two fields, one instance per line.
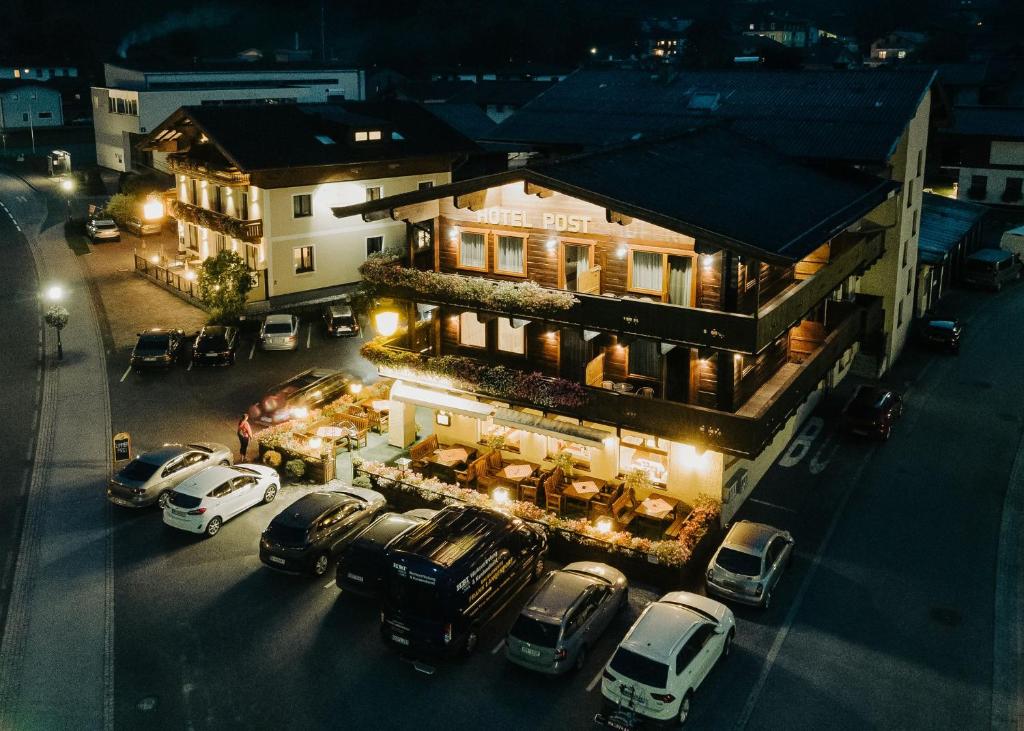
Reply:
x=361 y=567
x=310 y=389
x=215 y=345
x=872 y=411
x=157 y=348
x=339 y=320
x=312 y=531
x=942 y=333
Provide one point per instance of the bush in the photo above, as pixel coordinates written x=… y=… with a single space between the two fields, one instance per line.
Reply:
x=121 y=207
x=362 y=481
x=224 y=281
x=295 y=468
x=272 y=459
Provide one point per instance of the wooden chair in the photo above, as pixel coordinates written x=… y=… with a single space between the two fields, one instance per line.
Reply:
x=485 y=478
x=624 y=509
x=553 y=498
x=421 y=450
x=467 y=477
x=675 y=527
x=529 y=489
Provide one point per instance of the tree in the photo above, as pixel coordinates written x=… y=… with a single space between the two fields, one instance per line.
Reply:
x=121 y=207
x=57 y=318
x=224 y=281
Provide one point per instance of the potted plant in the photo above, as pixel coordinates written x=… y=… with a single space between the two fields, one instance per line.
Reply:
x=495 y=441
x=565 y=461
x=638 y=481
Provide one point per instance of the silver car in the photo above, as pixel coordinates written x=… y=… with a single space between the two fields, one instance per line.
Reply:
x=150 y=477
x=280 y=332
x=565 y=616
x=102 y=229
x=749 y=563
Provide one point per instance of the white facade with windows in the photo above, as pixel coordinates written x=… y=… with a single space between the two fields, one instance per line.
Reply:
x=22 y=107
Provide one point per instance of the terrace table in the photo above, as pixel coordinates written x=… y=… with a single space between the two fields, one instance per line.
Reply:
x=583 y=490
x=657 y=509
x=444 y=461
x=514 y=472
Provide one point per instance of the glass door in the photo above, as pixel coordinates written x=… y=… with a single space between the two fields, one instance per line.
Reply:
x=575 y=265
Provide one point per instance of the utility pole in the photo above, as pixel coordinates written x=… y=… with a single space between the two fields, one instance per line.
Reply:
x=323 y=30
x=31 y=127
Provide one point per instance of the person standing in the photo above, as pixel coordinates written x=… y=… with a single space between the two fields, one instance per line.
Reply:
x=244 y=435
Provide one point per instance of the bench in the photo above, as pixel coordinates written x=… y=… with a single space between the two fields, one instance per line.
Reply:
x=675 y=527
x=421 y=450
x=624 y=508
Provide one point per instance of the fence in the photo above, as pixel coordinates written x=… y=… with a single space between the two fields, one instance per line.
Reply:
x=169 y=279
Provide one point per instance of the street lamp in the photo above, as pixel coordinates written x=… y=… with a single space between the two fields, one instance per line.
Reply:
x=57 y=315
x=152 y=209
x=68 y=186
x=54 y=293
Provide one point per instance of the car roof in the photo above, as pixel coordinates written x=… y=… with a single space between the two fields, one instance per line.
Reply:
x=162 y=454
x=339 y=310
x=158 y=331
x=279 y=318
x=658 y=623
x=387 y=526
x=989 y=255
x=203 y=482
x=750 y=537
x=104 y=220
x=942 y=324
x=557 y=594
x=871 y=394
x=215 y=329
x=309 y=507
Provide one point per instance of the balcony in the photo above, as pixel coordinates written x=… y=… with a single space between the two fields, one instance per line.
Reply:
x=206 y=171
x=245 y=230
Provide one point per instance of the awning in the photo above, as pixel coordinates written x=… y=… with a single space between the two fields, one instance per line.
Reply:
x=551 y=427
x=439 y=400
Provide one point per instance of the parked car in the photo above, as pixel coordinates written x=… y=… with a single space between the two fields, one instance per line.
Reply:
x=150 y=477
x=339 y=320
x=279 y=332
x=307 y=390
x=141 y=227
x=215 y=345
x=565 y=617
x=102 y=229
x=991 y=268
x=307 y=535
x=665 y=656
x=450 y=576
x=943 y=333
x=872 y=411
x=750 y=561
x=157 y=348
x=202 y=504
x=361 y=566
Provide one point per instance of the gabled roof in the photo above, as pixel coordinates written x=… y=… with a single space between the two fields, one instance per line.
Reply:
x=275 y=136
x=944 y=223
x=1001 y=122
x=467 y=118
x=850 y=116
x=710 y=183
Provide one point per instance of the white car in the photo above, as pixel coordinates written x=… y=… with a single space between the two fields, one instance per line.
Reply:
x=279 y=332
x=203 y=503
x=666 y=655
x=102 y=229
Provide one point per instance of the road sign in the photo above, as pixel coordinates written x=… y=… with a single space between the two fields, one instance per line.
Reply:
x=122 y=447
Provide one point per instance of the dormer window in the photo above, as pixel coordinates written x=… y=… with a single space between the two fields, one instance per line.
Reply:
x=324 y=140
x=368 y=135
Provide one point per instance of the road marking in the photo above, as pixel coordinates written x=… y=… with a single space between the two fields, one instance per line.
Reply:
x=329 y=584
x=770 y=505
x=497 y=647
x=125 y=374
x=190 y=364
x=783 y=633
x=425 y=669
x=802 y=443
x=597 y=679
x=820 y=459
x=309 y=335
x=252 y=349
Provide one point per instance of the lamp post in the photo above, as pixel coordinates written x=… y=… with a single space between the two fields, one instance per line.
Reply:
x=68 y=186
x=57 y=315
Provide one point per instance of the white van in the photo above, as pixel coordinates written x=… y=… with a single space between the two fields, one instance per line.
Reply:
x=1013 y=241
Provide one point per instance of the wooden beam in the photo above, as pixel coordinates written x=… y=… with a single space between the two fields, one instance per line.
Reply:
x=534 y=189
x=473 y=201
x=616 y=217
x=417 y=212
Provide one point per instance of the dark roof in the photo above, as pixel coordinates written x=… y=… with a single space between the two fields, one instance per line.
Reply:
x=1004 y=122
x=452 y=534
x=963 y=74
x=467 y=118
x=709 y=183
x=442 y=90
x=17 y=84
x=386 y=527
x=274 y=136
x=515 y=93
x=156 y=66
x=855 y=116
x=310 y=507
x=944 y=223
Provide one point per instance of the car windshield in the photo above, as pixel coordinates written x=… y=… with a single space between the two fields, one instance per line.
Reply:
x=139 y=470
x=181 y=500
x=105 y=224
x=288 y=534
x=639 y=668
x=941 y=326
x=341 y=320
x=152 y=342
x=213 y=341
x=535 y=632
x=738 y=562
x=279 y=328
x=415 y=597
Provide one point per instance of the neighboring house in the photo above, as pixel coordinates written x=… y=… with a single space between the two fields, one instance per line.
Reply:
x=950 y=231
x=830 y=56
x=521 y=72
x=896 y=46
x=260 y=180
x=136 y=100
x=705 y=291
x=663 y=38
x=790 y=32
x=871 y=120
x=33 y=72
x=984 y=149
x=25 y=106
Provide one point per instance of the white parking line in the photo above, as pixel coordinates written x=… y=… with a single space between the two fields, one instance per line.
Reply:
x=497 y=647
x=252 y=349
x=597 y=679
x=125 y=374
x=309 y=335
x=329 y=584
x=190 y=364
x=770 y=505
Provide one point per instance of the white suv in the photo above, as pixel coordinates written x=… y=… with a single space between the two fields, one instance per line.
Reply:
x=666 y=655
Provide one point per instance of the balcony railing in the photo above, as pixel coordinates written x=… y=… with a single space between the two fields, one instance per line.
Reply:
x=245 y=230
x=197 y=169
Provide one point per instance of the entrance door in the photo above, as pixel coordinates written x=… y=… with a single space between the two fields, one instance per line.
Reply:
x=575 y=265
x=680 y=280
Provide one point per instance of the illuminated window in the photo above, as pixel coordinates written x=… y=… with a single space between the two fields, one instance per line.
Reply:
x=513 y=437
x=374 y=134
x=510 y=255
x=511 y=339
x=302 y=205
x=646 y=271
x=472 y=332
x=302 y=257
x=641 y=451
x=472 y=251
x=581 y=455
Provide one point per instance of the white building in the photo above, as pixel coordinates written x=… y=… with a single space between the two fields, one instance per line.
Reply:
x=134 y=101
x=24 y=106
x=261 y=180
x=985 y=150
x=38 y=73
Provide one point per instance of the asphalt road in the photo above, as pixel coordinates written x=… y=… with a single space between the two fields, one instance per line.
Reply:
x=884 y=621
x=20 y=361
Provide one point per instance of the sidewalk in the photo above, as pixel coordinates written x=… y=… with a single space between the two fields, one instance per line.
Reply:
x=56 y=655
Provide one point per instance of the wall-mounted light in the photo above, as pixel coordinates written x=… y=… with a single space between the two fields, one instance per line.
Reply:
x=706 y=260
x=315 y=442
x=155 y=258
x=153 y=209
x=386 y=322
x=603 y=525
x=355 y=388
x=443 y=418
x=453 y=233
x=550 y=245
x=621 y=251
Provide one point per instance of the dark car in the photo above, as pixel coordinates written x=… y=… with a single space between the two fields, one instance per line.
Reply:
x=307 y=390
x=872 y=411
x=312 y=531
x=339 y=320
x=157 y=348
x=362 y=566
x=942 y=333
x=215 y=345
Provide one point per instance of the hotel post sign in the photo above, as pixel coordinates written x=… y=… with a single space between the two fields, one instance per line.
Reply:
x=519 y=218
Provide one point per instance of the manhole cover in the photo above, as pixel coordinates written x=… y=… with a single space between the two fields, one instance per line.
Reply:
x=147 y=704
x=945 y=616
